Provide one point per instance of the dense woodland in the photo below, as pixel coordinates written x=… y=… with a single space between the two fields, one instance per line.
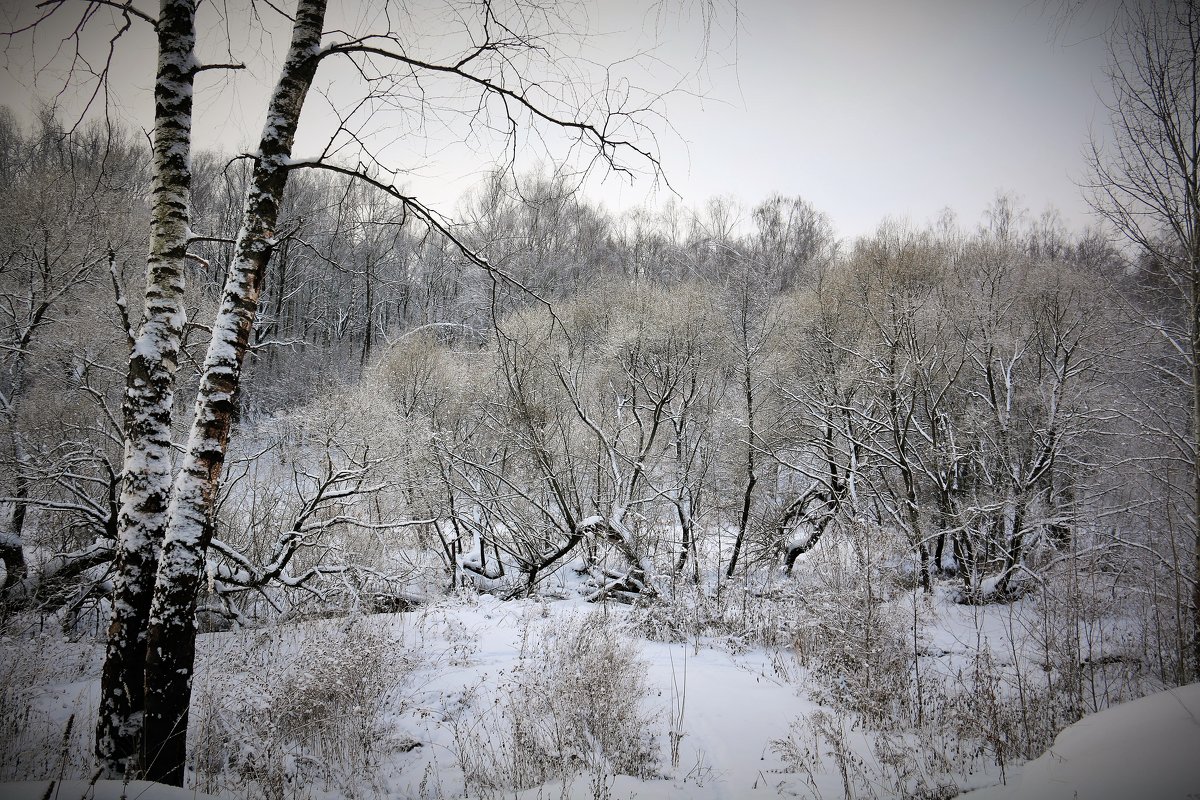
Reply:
x=654 y=401
x=728 y=419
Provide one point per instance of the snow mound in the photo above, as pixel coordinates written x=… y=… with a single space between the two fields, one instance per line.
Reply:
x=1146 y=748
x=100 y=790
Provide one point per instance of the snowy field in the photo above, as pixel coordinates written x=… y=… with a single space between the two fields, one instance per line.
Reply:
x=534 y=699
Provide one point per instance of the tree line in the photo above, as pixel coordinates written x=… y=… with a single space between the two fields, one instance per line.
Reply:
x=645 y=401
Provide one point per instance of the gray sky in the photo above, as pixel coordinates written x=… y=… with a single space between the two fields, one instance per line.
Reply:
x=866 y=108
x=870 y=108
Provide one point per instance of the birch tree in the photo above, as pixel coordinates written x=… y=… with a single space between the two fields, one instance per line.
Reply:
x=149 y=393
x=165 y=523
x=171 y=633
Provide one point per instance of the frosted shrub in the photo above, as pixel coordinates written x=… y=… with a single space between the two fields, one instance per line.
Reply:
x=755 y=611
x=863 y=658
x=881 y=762
x=856 y=644
x=578 y=696
x=299 y=708
x=573 y=704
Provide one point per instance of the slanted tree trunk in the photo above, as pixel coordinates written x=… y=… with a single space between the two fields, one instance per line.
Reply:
x=171 y=638
x=751 y=471
x=55 y=582
x=801 y=512
x=149 y=396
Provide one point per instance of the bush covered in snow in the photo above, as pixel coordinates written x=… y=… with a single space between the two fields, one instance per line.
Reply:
x=574 y=702
x=299 y=706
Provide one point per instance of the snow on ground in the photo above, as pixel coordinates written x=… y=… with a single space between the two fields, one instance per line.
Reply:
x=729 y=706
x=1144 y=748
x=426 y=705
x=732 y=708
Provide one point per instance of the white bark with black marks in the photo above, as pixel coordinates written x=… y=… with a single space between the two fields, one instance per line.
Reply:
x=149 y=394
x=172 y=633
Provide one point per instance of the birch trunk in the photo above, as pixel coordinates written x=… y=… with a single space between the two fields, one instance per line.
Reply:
x=171 y=637
x=149 y=396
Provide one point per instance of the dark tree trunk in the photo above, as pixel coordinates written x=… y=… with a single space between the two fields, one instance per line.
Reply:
x=964 y=554
x=12 y=550
x=751 y=473
x=687 y=545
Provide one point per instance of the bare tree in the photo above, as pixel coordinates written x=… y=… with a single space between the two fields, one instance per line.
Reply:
x=71 y=200
x=1147 y=184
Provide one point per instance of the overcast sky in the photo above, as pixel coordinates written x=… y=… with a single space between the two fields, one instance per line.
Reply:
x=870 y=108
x=866 y=108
